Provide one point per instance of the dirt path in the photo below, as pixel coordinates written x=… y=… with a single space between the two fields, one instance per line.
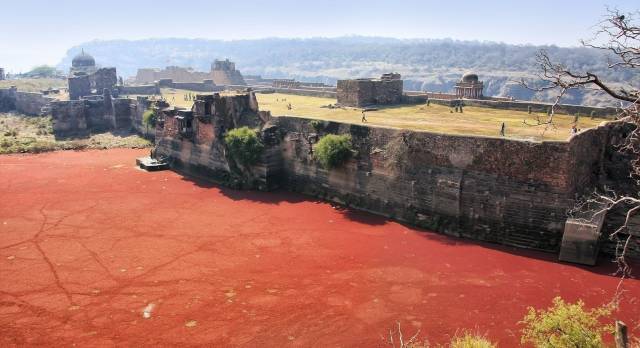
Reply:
x=94 y=252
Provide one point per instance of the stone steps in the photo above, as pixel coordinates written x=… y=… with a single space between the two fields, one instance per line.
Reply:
x=522 y=241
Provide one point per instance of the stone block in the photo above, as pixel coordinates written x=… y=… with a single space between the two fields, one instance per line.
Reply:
x=580 y=241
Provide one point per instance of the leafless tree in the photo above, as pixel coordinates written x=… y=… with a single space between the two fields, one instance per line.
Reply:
x=618 y=36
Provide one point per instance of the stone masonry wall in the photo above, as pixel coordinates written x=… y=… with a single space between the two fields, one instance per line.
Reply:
x=28 y=103
x=505 y=191
x=509 y=192
x=363 y=92
x=201 y=150
x=80 y=117
x=7 y=99
x=141 y=90
x=204 y=86
x=68 y=117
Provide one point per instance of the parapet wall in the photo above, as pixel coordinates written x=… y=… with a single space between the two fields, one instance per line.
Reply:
x=204 y=86
x=537 y=107
x=309 y=92
x=140 y=90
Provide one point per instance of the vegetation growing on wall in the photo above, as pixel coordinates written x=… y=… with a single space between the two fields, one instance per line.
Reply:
x=149 y=118
x=333 y=150
x=317 y=125
x=244 y=145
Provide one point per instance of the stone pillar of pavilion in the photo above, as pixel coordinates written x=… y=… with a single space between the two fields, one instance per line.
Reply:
x=469 y=87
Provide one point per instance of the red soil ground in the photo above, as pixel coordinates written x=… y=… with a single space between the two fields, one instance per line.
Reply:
x=87 y=241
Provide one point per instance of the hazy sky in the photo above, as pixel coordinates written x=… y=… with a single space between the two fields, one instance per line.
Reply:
x=39 y=32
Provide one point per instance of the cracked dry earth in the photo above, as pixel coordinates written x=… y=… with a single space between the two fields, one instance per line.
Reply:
x=94 y=252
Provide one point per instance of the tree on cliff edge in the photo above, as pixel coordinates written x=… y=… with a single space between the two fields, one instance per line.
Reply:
x=618 y=35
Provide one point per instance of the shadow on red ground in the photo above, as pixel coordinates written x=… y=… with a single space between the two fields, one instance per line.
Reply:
x=95 y=252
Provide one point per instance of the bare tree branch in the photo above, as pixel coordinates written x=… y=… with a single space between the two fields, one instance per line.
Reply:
x=619 y=36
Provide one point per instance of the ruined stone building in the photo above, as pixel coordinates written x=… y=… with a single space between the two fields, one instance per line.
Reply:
x=469 y=87
x=98 y=113
x=86 y=78
x=224 y=73
x=175 y=73
x=362 y=92
x=2 y=74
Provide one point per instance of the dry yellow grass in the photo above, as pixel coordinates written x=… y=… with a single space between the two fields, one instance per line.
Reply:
x=434 y=118
x=176 y=96
x=34 y=85
x=20 y=133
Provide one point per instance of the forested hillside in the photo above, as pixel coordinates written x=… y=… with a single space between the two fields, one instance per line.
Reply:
x=425 y=64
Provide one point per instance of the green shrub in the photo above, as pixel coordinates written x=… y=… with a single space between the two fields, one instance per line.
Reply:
x=149 y=118
x=244 y=145
x=468 y=339
x=565 y=325
x=333 y=150
x=316 y=124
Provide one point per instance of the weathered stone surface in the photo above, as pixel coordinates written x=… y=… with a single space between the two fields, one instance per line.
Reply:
x=28 y=103
x=580 y=242
x=79 y=86
x=363 y=92
x=223 y=72
x=194 y=140
x=175 y=73
x=97 y=114
x=494 y=189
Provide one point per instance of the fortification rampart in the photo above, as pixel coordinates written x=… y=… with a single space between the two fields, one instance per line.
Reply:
x=28 y=103
x=494 y=189
x=499 y=190
x=99 y=114
x=139 y=90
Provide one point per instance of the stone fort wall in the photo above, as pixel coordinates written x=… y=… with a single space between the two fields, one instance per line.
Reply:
x=99 y=114
x=499 y=190
x=28 y=103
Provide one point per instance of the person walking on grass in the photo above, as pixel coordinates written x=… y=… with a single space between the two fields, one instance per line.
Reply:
x=364 y=117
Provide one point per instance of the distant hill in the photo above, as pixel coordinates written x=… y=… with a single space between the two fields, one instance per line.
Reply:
x=433 y=65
